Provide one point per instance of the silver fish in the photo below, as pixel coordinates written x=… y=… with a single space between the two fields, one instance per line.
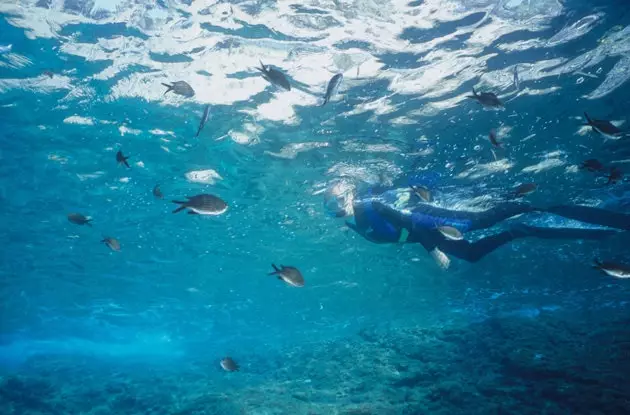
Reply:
x=112 y=243
x=613 y=269
x=202 y=205
x=274 y=76
x=180 y=88
x=440 y=258
x=422 y=192
x=517 y=81
x=290 y=275
x=79 y=219
x=451 y=233
x=333 y=87
x=229 y=365
x=5 y=49
x=204 y=119
x=486 y=99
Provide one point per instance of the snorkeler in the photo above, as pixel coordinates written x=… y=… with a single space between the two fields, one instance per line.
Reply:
x=385 y=216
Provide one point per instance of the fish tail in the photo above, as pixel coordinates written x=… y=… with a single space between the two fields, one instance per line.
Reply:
x=182 y=207
x=597 y=264
x=474 y=95
x=276 y=270
x=588 y=119
x=169 y=88
x=325 y=101
x=262 y=66
x=125 y=162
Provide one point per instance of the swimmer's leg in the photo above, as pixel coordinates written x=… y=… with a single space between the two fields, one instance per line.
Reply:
x=490 y=217
x=474 y=251
x=595 y=216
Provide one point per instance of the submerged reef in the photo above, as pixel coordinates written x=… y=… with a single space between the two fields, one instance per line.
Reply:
x=497 y=366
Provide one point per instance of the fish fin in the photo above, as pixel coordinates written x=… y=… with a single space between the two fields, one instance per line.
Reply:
x=262 y=67
x=276 y=270
x=87 y=222
x=169 y=87
x=474 y=95
x=192 y=212
x=597 y=264
x=588 y=119
x=182 y=207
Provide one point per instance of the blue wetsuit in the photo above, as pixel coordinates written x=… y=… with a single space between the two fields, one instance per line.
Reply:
x=378 y=221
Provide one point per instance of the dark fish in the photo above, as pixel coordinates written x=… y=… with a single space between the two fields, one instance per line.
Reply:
x=613 y=269
x=112 y=243
x=615 y=175
x=180 y=88
x=422 y=192
x=333 y=86
x=525 y=189
x=450 y=233
x=49 y=74
x=274 y=76
x=204 y=118
x=493 y=139
x=487 y=99
x=157 y=192
x=121 y=158
x=229 y=365
x=290 y=275
x=592 y=165
x=517 y=81
x=202 y=205
x=603 y=127
x=79 y=219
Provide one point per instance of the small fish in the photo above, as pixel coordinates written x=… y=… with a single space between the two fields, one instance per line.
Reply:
x=48 y=74
x=333 y=86
x=79 y=219
x=180 y=88
x=615 y=175
x=486 y=99
x=122 y=159
x=592 y=165
x=493 y=139
x=525 y=189
x=274 y=76
x=612 y=269
x=440 y=258
x=5 y=49
x=204 y=119
x=603 y=127
x=422 y=192
x=290 y=275
x=451 y=233
x=157 y=192
x=202 y=205
x=517 y=81
x=112 y=243
x=229 y=365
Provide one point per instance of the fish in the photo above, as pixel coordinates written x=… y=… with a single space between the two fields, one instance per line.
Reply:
x=615 y=175
x=603 y=127
x=180 y=88
x=592 y=165
x=613 y=269
x=290 y=275
x=492 y=136
x=422 y=192
x=48 y=74
x=112 y=243
x=451 y=233
x=121 y=158
x=204 y=118
x=203 y=204
x=79 y=219
x=525 y=189
x=274 y=76
x=517 y=81
x=333 y=86
x=157 y=192
x=5 y=49
x=440 y=258
x=229 y=365
x=486 y=99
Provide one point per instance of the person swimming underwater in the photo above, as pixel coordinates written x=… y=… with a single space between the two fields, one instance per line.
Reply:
x=392 y=216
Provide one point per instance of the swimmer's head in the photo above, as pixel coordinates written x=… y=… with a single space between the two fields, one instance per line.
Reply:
x=338 y=199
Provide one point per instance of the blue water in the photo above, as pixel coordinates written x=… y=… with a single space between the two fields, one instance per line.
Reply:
x=377 y=328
